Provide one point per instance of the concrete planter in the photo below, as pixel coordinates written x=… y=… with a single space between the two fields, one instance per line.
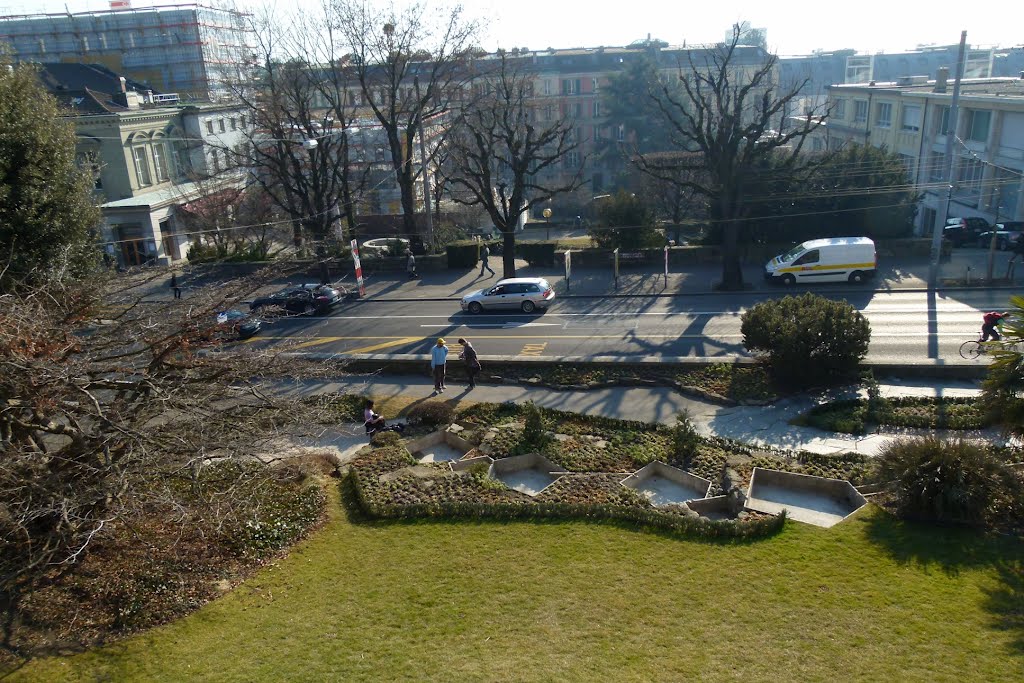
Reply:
x=455 y=445
x=667 y=485
x=529 y=474
x=813 y=500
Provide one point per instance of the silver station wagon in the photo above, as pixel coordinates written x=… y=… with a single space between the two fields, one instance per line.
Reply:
x=526 y=294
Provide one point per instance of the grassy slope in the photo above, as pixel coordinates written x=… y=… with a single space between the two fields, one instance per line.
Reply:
x=521 y=601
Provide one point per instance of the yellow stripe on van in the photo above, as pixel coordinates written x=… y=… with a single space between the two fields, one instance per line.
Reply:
x=838 y=266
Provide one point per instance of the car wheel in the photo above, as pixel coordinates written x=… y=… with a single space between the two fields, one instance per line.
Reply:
x=1001 y=245
x=308 y=309
x=475 y=307
x=788 y=280
x=528 y=306
x=856 y=277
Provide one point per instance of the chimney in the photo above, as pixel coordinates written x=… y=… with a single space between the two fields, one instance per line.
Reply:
x=940 y=79
x=149 y=97
x=124 y=84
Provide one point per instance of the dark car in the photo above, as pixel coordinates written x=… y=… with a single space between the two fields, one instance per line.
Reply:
x=305 y=299
x=231 y=325
x=961 y=231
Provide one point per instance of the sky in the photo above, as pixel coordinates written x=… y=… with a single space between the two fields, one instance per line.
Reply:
x=793 y=28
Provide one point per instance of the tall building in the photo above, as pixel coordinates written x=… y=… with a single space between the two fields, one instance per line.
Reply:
x=911 y=117
x=185 y=49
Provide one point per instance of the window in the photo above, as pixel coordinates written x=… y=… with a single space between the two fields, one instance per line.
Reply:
x=141 y=166
x=597 y=109
x=234 y=123
x=241 y=121
x=810 y=257
x=839 y=111
x=572 y=159
x=944 y=122
x=937 y=168
x=860 y=111
x=571 y=86
x=576 y=109
x=620 y=133
x=593 y=84
x=549 y=112
x=215 y=161
x=220 y=125
x=1007 y=191
x=911 y=117
x=209 y=127
x=597 y=133
x=978 y=123
x=547 y=86
x=160 y=162
x=90 y=163
x=883 y=115
x=908 y=163
x=968 y=177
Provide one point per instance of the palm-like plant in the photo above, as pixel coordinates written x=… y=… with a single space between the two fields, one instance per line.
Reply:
x=1003 y=388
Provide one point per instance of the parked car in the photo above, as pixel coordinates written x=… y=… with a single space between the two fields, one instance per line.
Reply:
x=304 y=299
x=524 y=293
x=961 y=231
x=1005 y=236
x=232 y=325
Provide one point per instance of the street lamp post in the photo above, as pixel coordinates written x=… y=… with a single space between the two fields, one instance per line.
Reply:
x=547 y=222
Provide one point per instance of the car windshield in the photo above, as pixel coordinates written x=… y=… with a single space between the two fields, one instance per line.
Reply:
x=792 y=253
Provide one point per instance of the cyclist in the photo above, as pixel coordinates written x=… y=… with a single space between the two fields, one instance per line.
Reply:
x=990 y=322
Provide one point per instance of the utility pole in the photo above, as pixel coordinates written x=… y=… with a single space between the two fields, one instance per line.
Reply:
x=423 y=170
x=951 y=128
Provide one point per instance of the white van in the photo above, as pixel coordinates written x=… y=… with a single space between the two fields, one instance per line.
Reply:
x=836 y=259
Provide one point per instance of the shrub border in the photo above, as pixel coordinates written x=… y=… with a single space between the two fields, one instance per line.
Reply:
x=642 y=519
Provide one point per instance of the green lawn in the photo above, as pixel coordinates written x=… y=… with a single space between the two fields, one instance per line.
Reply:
x=871 y=599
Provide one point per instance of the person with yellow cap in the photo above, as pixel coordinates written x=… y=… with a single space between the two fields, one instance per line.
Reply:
x=438 y=356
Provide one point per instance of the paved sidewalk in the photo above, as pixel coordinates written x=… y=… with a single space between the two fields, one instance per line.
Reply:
x=638 y=281
x=758 y=425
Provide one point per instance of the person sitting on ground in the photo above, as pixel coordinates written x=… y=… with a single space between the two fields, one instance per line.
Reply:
x=989 y=327
x=373 y=421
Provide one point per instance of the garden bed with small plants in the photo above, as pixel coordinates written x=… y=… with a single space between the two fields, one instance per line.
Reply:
x=597 y=452
x=857 y=416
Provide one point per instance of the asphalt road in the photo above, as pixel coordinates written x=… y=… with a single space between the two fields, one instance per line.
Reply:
x=906 y=326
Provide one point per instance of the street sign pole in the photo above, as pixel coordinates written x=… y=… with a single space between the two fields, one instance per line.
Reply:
x=568 y=268
x=666 y=266
x=616 y=254
x=359 y=269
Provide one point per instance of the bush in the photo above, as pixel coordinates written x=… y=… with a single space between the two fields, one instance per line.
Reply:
x=536 y=253
x=382 y=439
x=533 y=431
x=954 y=481
x=431 y=414
x=685 y=440
x=807 y=340
x=462 y=254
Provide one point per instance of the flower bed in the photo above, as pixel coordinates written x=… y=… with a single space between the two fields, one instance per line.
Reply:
x=387 y=483
x=854 y=416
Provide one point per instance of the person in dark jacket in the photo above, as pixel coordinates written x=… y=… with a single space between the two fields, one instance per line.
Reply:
x=472 y=362
x=175 y=288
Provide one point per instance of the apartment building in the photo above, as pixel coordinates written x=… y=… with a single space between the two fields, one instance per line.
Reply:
x=911 y=117
x=149 y=157
x=186 y=49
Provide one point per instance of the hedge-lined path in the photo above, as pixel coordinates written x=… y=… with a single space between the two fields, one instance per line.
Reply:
x=756 y=425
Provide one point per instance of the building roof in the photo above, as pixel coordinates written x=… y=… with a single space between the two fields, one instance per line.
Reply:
x=86 y=88
x=979 y=87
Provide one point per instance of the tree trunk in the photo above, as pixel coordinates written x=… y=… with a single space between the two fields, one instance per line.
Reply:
x=732 y=272
x=508 y=257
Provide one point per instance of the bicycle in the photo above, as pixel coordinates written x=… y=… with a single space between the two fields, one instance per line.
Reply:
x=974 y=349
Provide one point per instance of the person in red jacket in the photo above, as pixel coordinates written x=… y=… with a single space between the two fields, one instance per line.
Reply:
x=989 y=323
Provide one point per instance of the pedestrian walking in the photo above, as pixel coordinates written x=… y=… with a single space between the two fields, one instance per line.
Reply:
x=1017 y=247
x=485 y=254
x=174 y=286
x=438 y=357
x=410 y=265
x=472 y=361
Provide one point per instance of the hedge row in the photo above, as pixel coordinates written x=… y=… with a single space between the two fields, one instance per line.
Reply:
x=463 y=254
x=691 y=527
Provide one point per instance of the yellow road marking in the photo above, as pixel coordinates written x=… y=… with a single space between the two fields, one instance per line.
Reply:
x=384 y=345
x=316 y=341
x=533 y=349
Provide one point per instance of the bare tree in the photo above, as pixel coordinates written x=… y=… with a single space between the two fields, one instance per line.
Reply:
x=410 y=70
x=105 y=400
x=729 y=113
x=298 y=146
x=505 y=156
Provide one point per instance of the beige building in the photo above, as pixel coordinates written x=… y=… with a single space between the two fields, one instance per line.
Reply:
x=146 y=155
x=910 y=117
